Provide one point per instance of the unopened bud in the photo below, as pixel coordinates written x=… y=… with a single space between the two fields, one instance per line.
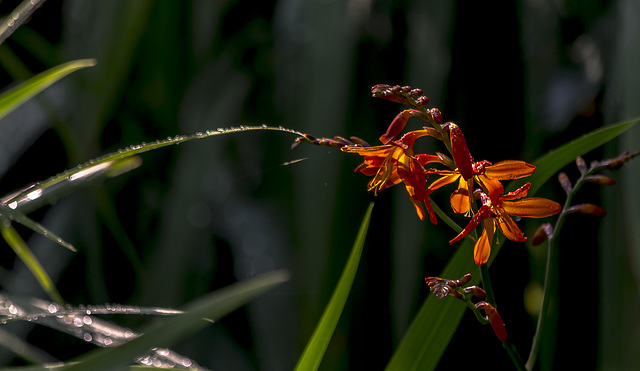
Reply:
x=360 y=141
x=437 y=116
x=399 y=123
x=587 y=209
x=599 y=179
x=462 y=281
x=476 y=291
x=565 y=182
x=494 y=319
x=422 y=101
x=542 y=234
x=582 y=166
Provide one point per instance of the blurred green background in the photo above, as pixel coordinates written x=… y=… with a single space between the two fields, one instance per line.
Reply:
x=519 y=78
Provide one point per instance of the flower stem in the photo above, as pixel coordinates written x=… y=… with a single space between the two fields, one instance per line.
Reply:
x=486 y=284
x=515 y=356
x=549 y=268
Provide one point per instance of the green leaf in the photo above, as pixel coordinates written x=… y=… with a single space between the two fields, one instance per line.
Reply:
x=33 y=264
x=552 y=162
x=14 y=97
x=113 y=164
x=319 y=341
x=437 y=320
x=168 y=331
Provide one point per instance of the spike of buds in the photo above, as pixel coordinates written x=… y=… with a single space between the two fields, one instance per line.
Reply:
x=565 y=182
x=616 y=162
x=400 y=94
x=442 y=287
x=494 y=319
x=587 y=209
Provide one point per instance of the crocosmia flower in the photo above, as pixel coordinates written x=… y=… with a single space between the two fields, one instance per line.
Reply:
x=395 y=162
x=468 y=171
x=495 y=213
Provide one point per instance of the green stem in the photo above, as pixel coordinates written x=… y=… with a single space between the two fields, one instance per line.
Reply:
x=549 y=268
x=486 y=284
x=514 y=355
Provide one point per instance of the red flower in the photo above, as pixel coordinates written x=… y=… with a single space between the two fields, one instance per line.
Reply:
x=486 y=174
x=496 y=212
x=395 y=162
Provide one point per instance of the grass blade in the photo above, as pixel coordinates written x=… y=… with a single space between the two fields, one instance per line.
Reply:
x=552 y=162
x=437 y=320
x=14 y=97
x=24 y=253
x=164 y=333
x=319 y=341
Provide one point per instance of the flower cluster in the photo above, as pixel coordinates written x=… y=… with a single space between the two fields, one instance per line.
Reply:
x=395 y=161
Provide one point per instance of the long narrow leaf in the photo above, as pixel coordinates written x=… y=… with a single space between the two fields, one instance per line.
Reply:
x=111 y=164
x=437 y=320
x=14 y=97
x=319 y=341
x=552 y=162
x=24 y=253
x=168 y=331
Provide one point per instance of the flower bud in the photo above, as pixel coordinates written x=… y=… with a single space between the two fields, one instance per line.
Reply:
x=360 y=141
x=599 y=179
x=398 y=124
x=582 y=166
x=476 y=291
x=437 y=116
x=587 y=209
x=422 y=101
x=494 y=319
x=565 y=182
x=461 y=154
x=542 y=234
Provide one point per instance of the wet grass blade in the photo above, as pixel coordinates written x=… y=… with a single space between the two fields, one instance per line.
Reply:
x=24 y=253
x=169 y=330
x=319 y=341
x=437 y=320
x=14 y=97
x=114 y=164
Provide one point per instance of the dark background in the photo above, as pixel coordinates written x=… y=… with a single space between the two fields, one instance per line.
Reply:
x=519 y=78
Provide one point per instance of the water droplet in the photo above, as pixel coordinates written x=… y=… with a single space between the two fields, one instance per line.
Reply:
x=87 y=320
x=108 y=341
x=77 y=321
x=87 y=337
x=53 y=308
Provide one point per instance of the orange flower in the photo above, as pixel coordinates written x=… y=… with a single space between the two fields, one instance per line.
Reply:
x=496 y=212
x=486 y=174
x=395 y=162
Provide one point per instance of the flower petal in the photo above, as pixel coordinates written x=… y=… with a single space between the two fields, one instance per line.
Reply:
x=533 y=207
x=509 y=169
x=510 y=229
x=482 y=249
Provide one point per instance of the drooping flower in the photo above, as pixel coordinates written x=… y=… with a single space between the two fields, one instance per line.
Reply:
x=392 y=163
x=495 y=213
